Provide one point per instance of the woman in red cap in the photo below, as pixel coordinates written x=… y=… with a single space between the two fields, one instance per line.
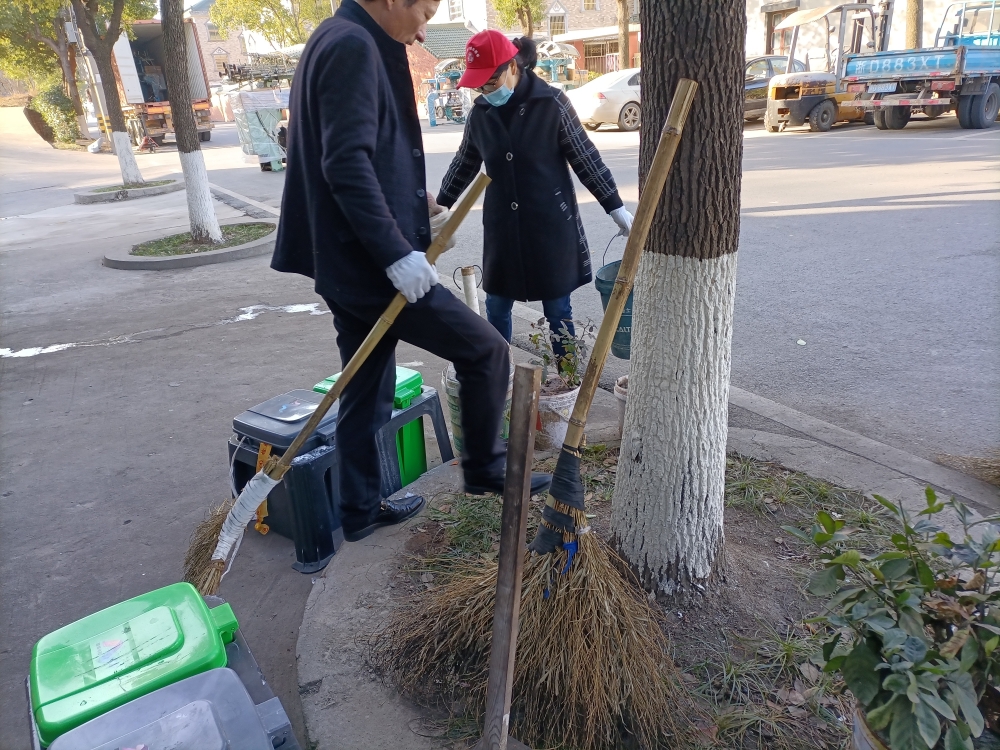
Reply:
x=528 y=135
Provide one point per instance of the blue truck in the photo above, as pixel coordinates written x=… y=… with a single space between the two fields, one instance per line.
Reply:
x=961 y=72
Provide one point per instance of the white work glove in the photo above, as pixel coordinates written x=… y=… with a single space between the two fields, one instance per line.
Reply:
x=412 y=275
x=623 y=219
x=438 y=220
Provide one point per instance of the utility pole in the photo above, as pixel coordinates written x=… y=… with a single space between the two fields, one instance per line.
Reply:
x=914 y=23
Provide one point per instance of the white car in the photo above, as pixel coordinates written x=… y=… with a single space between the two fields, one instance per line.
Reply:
x=613 y=98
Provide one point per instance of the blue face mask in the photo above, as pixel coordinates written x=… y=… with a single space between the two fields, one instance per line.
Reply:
x=499 y=96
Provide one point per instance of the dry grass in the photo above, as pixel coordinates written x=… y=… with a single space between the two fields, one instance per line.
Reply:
x=592 y=667
x=985 y=467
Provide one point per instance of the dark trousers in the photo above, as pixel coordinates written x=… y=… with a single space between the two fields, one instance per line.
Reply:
x=442 y=325
x=558 y=312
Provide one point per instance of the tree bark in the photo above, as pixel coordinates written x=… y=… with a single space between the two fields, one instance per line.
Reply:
x=914 y=23
x=101 y=47
x=667 y=512
x=201 y=211
x=623 y=47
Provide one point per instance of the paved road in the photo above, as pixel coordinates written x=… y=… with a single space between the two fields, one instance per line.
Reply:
x=112 y=449
x=880 y=250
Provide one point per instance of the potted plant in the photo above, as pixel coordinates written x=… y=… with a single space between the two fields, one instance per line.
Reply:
x=915 y=629
x=561 y=378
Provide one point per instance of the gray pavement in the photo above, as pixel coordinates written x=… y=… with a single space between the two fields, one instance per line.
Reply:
x=111 y=449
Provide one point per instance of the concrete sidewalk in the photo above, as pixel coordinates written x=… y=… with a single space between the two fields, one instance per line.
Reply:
x=345 y=705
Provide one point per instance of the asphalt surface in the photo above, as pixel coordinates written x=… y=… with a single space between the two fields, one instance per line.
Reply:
x=878 y=249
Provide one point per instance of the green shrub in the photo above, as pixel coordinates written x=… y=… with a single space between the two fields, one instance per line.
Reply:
x=57 y=111
x=916 y=628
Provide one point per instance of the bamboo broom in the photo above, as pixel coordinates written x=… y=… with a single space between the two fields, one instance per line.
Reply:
x=593 y=662
x=216 y=540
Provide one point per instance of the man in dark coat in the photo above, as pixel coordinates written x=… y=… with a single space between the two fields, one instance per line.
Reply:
x=355 y=218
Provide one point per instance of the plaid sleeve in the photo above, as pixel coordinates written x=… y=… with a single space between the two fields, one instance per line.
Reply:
x=463 y=170
x=583 y=156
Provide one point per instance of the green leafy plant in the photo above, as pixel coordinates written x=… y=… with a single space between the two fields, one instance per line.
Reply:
x=915 y=629
x=569 y=367
x=57 y=111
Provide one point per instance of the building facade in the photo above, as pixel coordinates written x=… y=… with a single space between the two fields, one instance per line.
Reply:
x=217 y=48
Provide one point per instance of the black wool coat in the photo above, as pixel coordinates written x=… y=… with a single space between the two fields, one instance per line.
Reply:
x=534 y=247
x=354 y=200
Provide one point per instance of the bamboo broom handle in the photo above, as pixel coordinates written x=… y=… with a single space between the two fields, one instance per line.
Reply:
x=276 y=468
x=663 y=159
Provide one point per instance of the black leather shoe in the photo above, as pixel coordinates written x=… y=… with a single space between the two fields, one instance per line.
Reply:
x=391 y=512
x=494 y=484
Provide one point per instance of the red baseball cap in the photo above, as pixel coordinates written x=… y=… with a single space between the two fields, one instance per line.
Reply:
x=484 y=53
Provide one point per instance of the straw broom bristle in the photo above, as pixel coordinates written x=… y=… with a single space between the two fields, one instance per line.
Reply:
x=199 y=568
x=985 y=467
x=592 y=661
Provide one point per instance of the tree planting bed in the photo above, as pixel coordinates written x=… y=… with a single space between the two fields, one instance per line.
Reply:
x=744 y=650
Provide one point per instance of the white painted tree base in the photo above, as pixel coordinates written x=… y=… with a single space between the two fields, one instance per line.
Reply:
x=201 y=211
x=668 y=501
x=122 y=146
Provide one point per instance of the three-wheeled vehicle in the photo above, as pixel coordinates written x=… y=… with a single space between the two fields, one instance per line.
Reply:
x=818 y=95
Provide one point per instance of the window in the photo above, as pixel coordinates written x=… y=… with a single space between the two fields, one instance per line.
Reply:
x=780 y=64
x=243 y=45
x=777 y=41
x=455 y=10
x=213 y=32
x=601 y=57
x=634 y=80
x=557 y=25
x=758 y=71
x=590 y=4
x=220 y=63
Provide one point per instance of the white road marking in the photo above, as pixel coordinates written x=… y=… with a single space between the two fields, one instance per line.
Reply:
x=246 y=313
x=245 y=199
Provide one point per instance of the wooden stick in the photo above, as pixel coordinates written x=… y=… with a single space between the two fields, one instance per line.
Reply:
x=663 y=159
x=513 y=531
x=276 y=467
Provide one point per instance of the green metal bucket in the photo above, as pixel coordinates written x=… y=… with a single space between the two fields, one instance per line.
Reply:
x=621 y=344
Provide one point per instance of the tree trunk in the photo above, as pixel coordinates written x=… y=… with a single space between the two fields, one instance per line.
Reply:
x=201 y=212
x=624 y=60
x=914 y=23
x=668 y=502
x=74 y=94
x=100 y=49
x=59 y=43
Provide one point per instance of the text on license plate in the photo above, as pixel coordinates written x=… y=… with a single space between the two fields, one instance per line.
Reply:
x=881 y=88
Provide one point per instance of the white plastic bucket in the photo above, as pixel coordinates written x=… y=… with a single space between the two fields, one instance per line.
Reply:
x=553 y=419
x=621 y=397
x=454 y=406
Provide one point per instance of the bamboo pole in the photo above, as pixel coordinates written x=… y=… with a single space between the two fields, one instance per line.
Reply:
x=513 y=535
x=663 y=159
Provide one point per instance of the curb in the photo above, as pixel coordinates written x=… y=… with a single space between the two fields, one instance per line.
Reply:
x=125 y=262
x=129 y=194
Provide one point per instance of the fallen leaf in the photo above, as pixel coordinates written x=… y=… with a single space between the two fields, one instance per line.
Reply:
x=810 y=673
x=426 y=577
x=446 y=508
x=798 y=713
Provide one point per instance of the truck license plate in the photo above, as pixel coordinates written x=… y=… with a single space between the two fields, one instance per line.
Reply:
x=881 y=88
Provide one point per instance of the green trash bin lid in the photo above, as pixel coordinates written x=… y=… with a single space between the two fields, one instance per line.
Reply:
x=123 y=652
x=408 y=383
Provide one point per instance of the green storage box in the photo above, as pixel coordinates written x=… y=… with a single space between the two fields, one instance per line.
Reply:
x=123 y=652
x=410 y=448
